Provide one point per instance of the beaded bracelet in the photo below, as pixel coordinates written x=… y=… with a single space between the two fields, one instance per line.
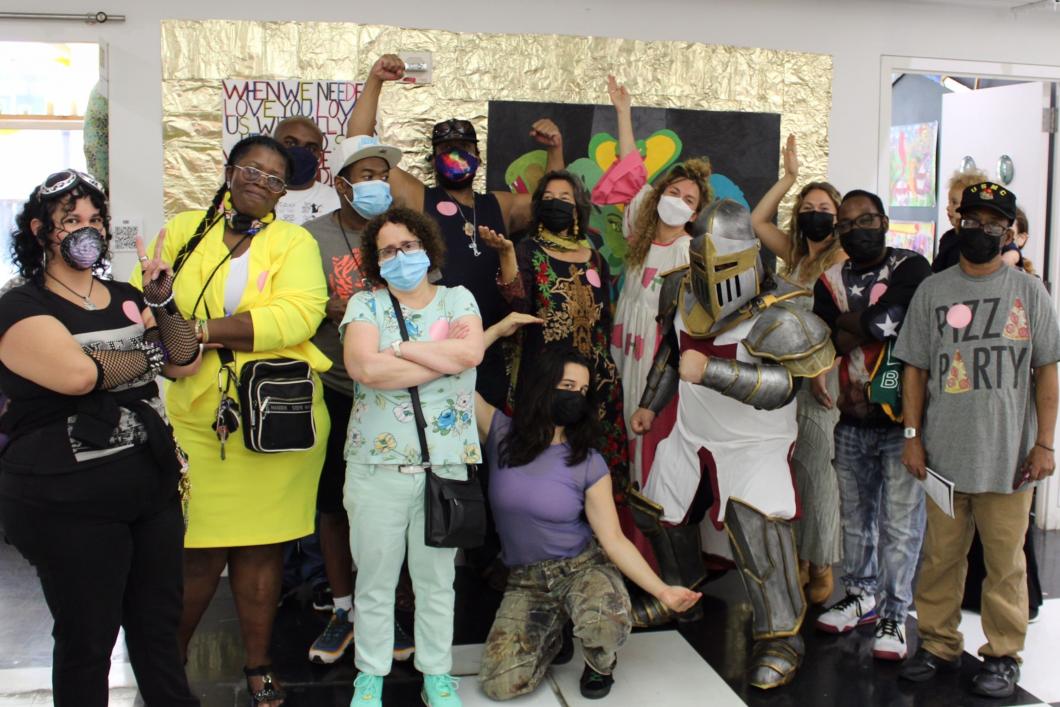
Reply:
x=158 y=305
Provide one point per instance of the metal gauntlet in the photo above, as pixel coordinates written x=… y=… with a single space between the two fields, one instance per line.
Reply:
x=761 y=385
x=662 y=380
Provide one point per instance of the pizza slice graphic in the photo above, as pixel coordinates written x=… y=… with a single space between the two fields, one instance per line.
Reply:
x=957 y=379
x=1016 y=327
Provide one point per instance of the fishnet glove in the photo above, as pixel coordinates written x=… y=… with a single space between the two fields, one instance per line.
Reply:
x=177 y=335
x=159 y=290
x=118 y=367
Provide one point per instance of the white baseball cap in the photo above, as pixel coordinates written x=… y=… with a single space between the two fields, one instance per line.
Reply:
x=358 y=147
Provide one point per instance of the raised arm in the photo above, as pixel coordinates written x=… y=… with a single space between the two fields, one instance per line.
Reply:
x=405 y=188
x=516 y=207
x=623 y=115
x=775 y=239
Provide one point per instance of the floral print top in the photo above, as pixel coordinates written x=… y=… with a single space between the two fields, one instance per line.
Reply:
x=382 y=423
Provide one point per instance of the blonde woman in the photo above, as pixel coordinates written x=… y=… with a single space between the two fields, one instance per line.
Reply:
x=948 y=254
x=809 y=247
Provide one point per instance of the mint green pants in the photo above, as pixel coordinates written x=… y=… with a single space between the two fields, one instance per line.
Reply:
x=386 y=521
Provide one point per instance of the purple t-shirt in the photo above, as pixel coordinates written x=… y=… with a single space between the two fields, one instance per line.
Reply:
x=539 y=508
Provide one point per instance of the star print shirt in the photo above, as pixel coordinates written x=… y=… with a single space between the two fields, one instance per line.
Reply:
x=382 y=427
x=880 y=294
x=979 y=339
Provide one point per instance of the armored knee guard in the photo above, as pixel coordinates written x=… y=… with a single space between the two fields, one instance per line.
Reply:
x=680 y=561
x=764 y=550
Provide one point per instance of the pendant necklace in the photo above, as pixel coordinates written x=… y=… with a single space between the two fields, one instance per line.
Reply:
x=86 y=302
x=470 y=227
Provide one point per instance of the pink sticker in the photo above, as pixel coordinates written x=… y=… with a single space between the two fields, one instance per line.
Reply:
x=959 y=316
x=617 y=333
x=262 y=279
x=439 y=331
x=446 y=208
x=132 y=312
x=876 y=292
x=593 y=277
x=647 y=277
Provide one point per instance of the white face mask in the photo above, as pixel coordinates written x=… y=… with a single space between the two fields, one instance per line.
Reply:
x=673 y=211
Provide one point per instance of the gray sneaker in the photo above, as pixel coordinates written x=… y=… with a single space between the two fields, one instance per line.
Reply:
x=332 y=643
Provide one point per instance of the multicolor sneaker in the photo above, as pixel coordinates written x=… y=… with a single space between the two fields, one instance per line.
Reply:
x=332 y=643
x=367 y=691
x=404 y=646
x=440 y=691
x=849 y=612
x=889 y=643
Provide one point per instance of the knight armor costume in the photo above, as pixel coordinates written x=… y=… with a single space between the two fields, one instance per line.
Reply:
x=727 y=456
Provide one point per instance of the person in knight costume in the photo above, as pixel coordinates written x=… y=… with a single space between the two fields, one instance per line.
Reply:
x=737 y=346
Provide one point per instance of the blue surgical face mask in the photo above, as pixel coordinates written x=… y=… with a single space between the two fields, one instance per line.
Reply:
x=369 y=198
x=405 y=270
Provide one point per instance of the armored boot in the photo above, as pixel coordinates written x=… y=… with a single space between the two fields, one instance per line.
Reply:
x=680 y=561
x=764 y=550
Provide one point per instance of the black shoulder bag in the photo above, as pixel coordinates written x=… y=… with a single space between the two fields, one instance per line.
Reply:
x=454 y=511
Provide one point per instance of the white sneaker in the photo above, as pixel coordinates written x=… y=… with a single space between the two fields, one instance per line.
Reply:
x=889 y=642
x=849 y=612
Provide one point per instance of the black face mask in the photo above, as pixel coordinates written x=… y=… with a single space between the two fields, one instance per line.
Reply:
x=304 y=163
x=569 y=407
x=556 y=215
x=864 y=245
x=976 y=246
x=815 y=225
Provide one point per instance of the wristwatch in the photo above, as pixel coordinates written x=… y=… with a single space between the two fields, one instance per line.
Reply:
x=397 y=347
x=910 y=432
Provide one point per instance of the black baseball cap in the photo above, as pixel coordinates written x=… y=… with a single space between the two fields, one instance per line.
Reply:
x=987 y=195
x=453 y=129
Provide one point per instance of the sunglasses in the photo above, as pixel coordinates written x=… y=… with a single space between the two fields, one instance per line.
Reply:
x=62 y=182
x=453 y=130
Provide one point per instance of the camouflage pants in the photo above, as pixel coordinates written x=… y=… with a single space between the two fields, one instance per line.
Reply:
x=527 y=632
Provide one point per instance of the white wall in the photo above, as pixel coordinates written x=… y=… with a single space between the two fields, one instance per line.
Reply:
x=855 y=32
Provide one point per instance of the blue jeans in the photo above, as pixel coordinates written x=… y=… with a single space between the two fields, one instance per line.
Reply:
x=882 y=509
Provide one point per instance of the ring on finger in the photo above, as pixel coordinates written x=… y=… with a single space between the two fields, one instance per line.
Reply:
x=143 y=258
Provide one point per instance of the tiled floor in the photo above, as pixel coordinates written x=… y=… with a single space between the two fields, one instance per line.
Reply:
x=698 y=664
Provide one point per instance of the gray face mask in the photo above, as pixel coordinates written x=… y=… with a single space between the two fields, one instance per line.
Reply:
x=83 y=249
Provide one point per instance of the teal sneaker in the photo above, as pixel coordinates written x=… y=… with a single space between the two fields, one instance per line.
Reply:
x=367 y=691
x=404 y=646
x=440 y=691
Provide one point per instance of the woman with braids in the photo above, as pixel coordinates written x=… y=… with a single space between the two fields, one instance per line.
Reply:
x=657 y=221
x=88 y=482
x=557 y=275
x=809 y=247
x=256 y=290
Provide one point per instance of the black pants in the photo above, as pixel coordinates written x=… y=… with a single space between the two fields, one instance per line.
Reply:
x=107 y=543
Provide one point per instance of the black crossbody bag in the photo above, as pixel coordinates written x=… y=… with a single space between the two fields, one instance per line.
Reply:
x=454 y=511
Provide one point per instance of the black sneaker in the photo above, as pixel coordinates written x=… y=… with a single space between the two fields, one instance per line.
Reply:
x=997 y=677
x=566 y=651
x=924 y=664
x=595 y=685
x=322 y=599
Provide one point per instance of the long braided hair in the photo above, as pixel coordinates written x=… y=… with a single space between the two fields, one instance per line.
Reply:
x=216 y=212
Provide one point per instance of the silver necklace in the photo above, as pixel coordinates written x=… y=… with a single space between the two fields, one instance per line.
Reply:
x=470 y=227
x=87 y=303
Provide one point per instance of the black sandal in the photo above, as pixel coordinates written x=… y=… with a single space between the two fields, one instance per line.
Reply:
x=269 y=692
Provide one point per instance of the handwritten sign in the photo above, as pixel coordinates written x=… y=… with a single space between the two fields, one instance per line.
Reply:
x=255 y=107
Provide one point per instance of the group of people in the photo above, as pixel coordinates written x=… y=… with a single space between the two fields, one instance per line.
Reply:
x=607 y=429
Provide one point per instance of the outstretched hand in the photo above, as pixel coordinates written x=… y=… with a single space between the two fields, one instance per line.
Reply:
x=619 y=94
x=495 y=240
x=790 y=152
x=679 y=599
x=388 y=67
x=514 y=322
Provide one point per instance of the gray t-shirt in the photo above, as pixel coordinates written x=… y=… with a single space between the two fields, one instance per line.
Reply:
x=979 y=339
x=341 y=253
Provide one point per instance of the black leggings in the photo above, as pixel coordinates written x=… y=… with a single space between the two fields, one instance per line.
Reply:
x=107 y=543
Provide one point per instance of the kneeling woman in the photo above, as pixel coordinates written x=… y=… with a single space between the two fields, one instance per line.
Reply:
x=550 y=493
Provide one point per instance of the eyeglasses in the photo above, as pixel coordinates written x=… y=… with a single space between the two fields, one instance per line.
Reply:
x=991 y=229
x=62 y=182
x=863 y=221
x=389 y=252
x=256 y=176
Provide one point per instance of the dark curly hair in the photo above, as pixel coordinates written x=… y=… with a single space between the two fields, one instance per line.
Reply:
x=532 y=427
x=214 y=212
x=581 y=202
x=422 y=227
x=27 y=248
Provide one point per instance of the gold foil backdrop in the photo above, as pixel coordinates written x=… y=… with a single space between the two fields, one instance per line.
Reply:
x=469 y=70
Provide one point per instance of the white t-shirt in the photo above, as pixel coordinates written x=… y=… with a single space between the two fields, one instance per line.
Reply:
x=307 y=204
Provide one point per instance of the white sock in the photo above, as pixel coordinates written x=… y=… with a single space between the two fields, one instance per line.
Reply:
x=345 y=603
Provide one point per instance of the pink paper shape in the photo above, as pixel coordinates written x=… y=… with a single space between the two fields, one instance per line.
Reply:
x=262 y=279
x=132 y=312
x=876 y=292
x=446 y=208
x=647 y=277
x=959 y=316
x=439 y=331
x=593 y=277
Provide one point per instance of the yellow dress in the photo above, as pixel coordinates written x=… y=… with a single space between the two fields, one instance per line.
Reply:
x=250 y=498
